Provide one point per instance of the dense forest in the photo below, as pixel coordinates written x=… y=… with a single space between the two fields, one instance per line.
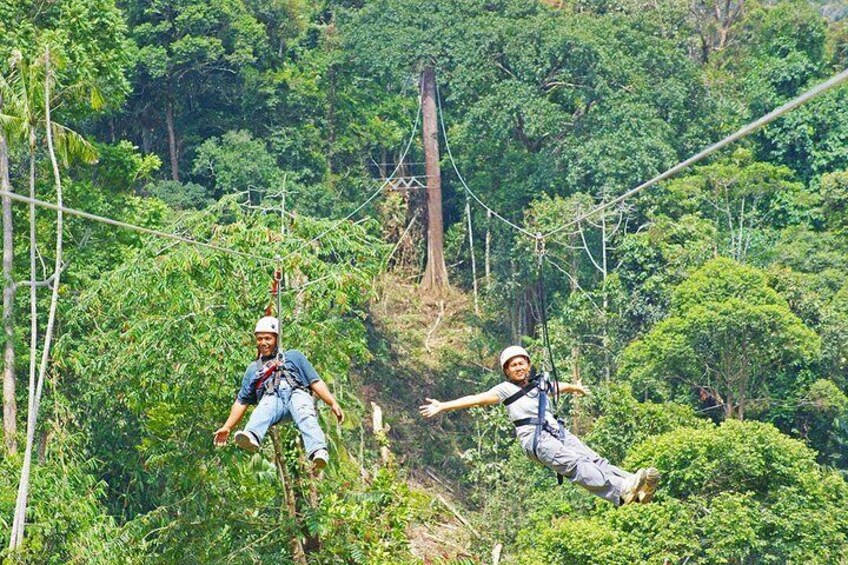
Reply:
x=435 y=181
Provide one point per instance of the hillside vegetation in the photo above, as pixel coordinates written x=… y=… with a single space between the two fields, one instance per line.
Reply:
x=426 y=177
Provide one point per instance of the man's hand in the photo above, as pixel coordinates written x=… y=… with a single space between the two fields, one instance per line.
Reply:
x=337 y=410
x=221 y=436
x=432 y=409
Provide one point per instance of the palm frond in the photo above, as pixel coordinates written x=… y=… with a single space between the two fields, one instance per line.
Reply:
x=72 y=145
x=14 y=128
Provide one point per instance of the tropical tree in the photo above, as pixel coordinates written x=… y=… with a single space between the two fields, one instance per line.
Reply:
x=90 y=38
x=729 y=341
x=238 y=163
x=747 y=202
x=187 y=49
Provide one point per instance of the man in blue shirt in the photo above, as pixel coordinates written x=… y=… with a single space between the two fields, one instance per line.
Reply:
x=279 y=394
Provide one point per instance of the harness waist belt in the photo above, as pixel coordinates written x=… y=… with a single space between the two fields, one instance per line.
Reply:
x=547 y=426
x=525 y=422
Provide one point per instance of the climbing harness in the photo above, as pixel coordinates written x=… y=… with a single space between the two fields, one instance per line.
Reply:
x=542 y=382
x=275 y=371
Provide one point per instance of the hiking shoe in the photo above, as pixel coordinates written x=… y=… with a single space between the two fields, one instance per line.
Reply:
x=652 y=478
x=246 y=441
x=320 y=459
x=631 y=487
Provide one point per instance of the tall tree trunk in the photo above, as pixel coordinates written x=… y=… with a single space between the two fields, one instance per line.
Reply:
x=172 y=135
x=9 y=403
x=33 y=304
x=435 y=280
x=19 y=523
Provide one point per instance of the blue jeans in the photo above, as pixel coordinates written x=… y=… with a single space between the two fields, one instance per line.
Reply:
x=295 y=405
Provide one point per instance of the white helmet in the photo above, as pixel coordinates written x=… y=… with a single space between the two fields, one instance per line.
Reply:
x=267 y=325
x=510 y=352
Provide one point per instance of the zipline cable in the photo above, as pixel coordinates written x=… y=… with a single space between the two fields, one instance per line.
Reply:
x=165 y=235
x=462 y=180
x=131 y=227
x=742 y=132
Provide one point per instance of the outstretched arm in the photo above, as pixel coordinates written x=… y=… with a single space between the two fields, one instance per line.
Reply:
x=573 y=389
x=236 y=413
x=435 y=407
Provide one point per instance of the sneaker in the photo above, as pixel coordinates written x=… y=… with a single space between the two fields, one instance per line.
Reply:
x=320 y=459
x=652 y=478
x=246 y=441
x=631 y=487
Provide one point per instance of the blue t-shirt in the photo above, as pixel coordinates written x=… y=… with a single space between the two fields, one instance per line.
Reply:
x=297 y=364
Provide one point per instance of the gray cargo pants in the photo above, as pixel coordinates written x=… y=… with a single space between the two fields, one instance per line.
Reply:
x=570 y=457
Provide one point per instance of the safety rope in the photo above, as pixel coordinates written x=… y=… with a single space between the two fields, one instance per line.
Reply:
x=278 y=283
x=543 y=306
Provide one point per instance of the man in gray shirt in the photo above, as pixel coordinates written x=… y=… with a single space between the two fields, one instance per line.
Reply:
x=548 y=443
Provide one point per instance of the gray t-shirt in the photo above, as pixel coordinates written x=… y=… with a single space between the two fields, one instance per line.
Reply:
x=525 y=407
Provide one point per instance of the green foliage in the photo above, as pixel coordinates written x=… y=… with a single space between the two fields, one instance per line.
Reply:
x=654 y=261
x=746 y=201
x=782 y=53
x=812 y=138
x=156 y=411
x=178 y=195
x=625 y=422
x=636 y=534
x=551 y=107
x=187 y=51
x=819 y=419
x=777 y=473
x=733 y=457
x=365 y=527
x=237 y=163
x=738 y=493
x=730 y=338
x=123 y=167
x=88 y=36
x=722 y=279
x=834 y=192
x=835 y=335
x=67 y=522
